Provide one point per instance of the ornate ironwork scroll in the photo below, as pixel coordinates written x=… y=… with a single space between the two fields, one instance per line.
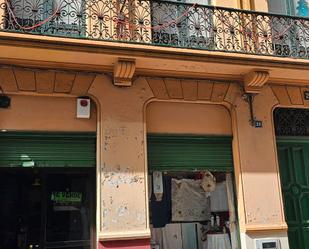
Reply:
x=166 y=23
x=291 y=122
x=123 y=20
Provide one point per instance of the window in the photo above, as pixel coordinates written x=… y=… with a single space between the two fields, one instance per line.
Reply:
x=301 y=8
x=290 y=7
x=47 y=16
x=277 y=6
x=289 y=36
x=178 y=23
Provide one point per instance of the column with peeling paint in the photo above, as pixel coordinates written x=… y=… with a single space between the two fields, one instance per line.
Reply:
x=123 y=199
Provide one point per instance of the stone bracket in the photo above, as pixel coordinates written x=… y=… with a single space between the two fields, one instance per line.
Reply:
x=124 y=70
x=255 y=80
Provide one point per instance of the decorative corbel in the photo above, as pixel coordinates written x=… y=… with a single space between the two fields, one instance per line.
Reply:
x=255 y=80
x=124 y=70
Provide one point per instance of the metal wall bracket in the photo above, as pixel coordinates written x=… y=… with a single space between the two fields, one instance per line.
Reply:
x=249 y=98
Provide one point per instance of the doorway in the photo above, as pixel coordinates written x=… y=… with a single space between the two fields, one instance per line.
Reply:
x=191 y=192
x=47 y=190
x=46 y=208
x=292 y=133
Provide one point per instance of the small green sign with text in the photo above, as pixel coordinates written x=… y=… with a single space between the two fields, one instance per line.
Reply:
x=65 y=197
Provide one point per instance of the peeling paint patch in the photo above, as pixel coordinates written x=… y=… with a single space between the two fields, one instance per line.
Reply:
x=121 y=211
x=105 y=227
x=105 y=212
x=115 y=180
x=115 y=132
x=140 y=218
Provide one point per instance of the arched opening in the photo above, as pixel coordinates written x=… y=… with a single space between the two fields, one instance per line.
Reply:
x=47 y=174
x=190 y=175
x=292 y=135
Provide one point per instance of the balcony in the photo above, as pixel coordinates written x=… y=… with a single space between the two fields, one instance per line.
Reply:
x=160 y=23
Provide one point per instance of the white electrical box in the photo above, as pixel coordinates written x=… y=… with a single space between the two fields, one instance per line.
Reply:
x=83 y=108
x=268 y=244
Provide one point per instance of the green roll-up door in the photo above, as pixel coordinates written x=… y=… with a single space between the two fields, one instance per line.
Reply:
x=184 y=153
x=47 y=149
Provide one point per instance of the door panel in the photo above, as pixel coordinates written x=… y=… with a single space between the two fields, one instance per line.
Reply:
x=41 y=209
x=68 y=213
x=294 y=237
x=20 y=210
x=294 y=162
x=306 y=236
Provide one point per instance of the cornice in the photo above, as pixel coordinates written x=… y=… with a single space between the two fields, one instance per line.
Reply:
x=148 y=50
x=54 y=53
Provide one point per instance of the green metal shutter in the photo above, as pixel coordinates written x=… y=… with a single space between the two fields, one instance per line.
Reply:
x=47 y=149
x=186 y=153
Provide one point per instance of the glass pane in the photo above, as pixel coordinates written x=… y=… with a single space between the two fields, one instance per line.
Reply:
x=277 y=6
x=68 y=208
x=20 y=209
x=202 y=2
x=301 y=8
x=193 y=29
x=71 y=18
x=290 y=7
x=71 y=10
x=25 y=14
x=64 y=17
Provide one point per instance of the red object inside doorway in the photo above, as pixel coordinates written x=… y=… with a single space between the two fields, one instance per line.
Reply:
x=125 y=244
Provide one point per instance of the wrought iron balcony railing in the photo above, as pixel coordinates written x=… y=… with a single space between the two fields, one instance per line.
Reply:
x=160 y=23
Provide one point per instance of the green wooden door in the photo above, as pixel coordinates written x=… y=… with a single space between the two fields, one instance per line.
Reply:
x=293 y=157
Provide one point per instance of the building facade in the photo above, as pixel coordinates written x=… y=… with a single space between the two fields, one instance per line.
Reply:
x=176 y=90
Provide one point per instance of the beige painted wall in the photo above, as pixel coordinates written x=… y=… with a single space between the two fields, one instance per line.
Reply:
x=122 y=166
x=227 y=3
x=258 y=164
x=124 y=207
x=188 y=118
x=260 y=5
x=38 y=113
